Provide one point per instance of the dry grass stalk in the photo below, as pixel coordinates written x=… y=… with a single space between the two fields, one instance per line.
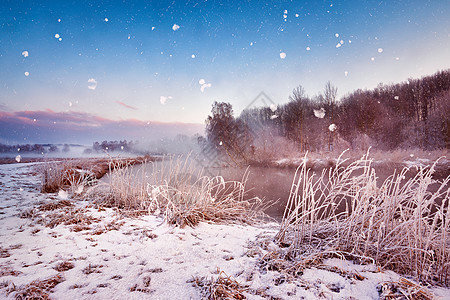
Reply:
x=222 y=287
x=38 y=289
x=401 y=224
x=179 y=191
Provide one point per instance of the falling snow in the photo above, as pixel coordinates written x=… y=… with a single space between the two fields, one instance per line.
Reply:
x=204 y=85
x=18 y=158
x=193 y=55
x=57 y=35
x=175 y=27
x=92 y=84
x=106 y=20
x=380 y=50
x=307 y=48
x=27 y=73
x=282 y=55
x=336 y=34
x=25 y=53
x=396 y=97
x=273 y=107
x=332 y=127
x=319 y=113
x=338 y=45
x=372 y=58
x=163 y=99
x=346 y=73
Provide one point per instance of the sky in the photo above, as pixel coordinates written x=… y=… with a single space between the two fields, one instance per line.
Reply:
x=78 y=71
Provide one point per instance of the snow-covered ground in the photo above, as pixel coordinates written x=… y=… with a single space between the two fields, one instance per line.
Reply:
x=118 y=257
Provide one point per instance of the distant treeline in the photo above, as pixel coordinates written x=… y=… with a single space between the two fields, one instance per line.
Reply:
x=409 y=114
x=33 y=148
x=112 y=146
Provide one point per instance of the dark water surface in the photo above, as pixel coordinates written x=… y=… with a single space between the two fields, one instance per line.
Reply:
x=273 y=183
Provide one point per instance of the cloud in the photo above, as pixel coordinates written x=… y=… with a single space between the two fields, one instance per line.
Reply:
x=47 y=126
x=126 y=105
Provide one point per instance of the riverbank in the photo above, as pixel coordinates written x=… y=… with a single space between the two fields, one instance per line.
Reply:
x=61 y=247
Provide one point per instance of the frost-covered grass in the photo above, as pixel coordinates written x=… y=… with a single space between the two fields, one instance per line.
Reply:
x=71 y=249
x=180 y=192
x=400 y=225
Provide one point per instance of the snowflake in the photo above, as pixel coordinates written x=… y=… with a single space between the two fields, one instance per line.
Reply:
x=175 y=27
x=319 y=113
x=282 y=55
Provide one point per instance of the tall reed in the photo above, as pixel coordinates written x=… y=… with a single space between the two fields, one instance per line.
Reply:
x=400 y=224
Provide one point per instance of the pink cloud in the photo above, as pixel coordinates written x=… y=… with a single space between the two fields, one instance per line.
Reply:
x=49 y=126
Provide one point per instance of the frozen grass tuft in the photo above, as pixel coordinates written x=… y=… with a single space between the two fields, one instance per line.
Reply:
x=222 y=287
x=401 y=225
x=179 y=191
x=38 y=289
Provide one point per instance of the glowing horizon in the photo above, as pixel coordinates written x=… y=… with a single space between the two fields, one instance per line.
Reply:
x=168 y=62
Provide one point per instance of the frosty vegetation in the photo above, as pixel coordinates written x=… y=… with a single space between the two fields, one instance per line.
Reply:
x=413 y=114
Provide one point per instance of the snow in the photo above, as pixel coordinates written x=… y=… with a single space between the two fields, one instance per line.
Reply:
x=380 y=50
x=92 y=84
x=273 y=107
x=204 y=85
x=193 y=55
x=308 y=48
x=163 y=99
x=25 y=53
x=282 y=55
x=319 y=113
x=175 y=27
x=332 y=127
x=27 y=73
x=57 y=36
x=119 y=254
x=336 y=34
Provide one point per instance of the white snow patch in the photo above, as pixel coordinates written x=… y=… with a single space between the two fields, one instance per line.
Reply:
x=62 y=194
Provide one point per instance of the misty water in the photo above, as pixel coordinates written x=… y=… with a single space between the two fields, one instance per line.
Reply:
x=268 y=183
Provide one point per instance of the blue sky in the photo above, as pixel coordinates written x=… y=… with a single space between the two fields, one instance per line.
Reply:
x=147 y=61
